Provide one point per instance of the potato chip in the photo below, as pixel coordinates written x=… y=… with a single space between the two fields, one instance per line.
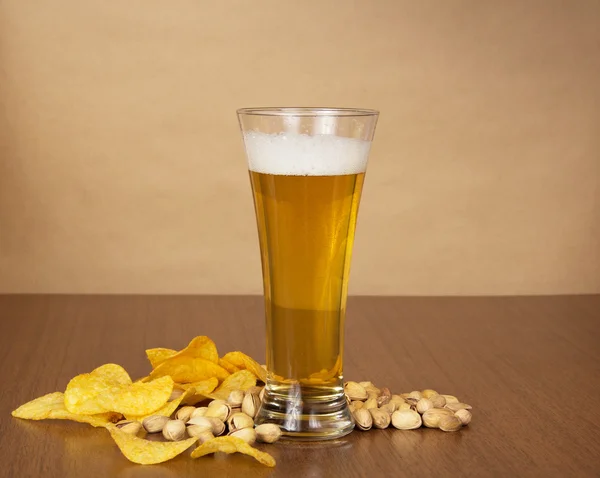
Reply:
x=243 y=361
x=145 y=452
x=81 y=395
x=203 y=386
x=52 y=406
x=138 y=398
x=166 y=410
x=230 y=445
x=228 y=366
x=242 y=380
x=185 y=369
x=159 y=355
x=199 y=347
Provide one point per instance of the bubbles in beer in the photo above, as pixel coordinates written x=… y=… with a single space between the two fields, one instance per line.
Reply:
x=293 y=154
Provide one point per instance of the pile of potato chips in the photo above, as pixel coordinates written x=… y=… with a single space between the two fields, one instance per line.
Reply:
x=107 y=394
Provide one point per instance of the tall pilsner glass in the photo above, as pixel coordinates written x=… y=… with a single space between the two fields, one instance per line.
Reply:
x=307 y=167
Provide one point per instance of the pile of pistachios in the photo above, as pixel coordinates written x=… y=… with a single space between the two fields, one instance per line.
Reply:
x=375 y=407
x=234 y=417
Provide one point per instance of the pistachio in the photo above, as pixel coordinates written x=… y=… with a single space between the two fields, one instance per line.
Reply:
x=381 y=419
x=357 y=404
x=250 y=405
x=246 y=434
x=267 y=433
x=432 y=417
x=450 y=398
x=220 y=410
x=129 y=426
x=388 y=408
x=175 y=394
x=216 y=426
x=404 y=395
x=355 y=391
x=216 y=401
x=366 y=384
x=458 y=406
x=428 y=393
x=464 y=416
x=415 y=394
x=235 y=398
x=237 y=421
x=197 y=430
x=185 y=413
x=155 y=423
x=384 y=397
x=450 y=424
x=371 y=402
x=261 y=395
x=404 y=406
x=363 y=419
x=199 y=412
x=373 y=390
x=174 y=430
x=438 y=401
x=406 y=419
x=423 y=405
x=202 y=422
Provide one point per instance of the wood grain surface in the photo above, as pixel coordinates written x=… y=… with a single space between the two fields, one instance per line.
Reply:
x=530 y=367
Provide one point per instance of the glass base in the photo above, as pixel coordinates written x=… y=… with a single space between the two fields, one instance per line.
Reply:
x=306 y=413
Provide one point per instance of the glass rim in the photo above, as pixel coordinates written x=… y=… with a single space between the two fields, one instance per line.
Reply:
x=306 y=111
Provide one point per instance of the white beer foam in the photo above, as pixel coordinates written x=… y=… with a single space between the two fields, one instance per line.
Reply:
x=294 y=154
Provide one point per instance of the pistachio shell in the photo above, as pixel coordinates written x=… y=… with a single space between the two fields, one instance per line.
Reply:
x=428 y=393
x=450 y=424
x=438 y=401
x=155 y=423
x=381 y=419
x=423 y=405
x=432 y=417
x=174 y=430
x=363 y=419
x=267 y=433
x=185 y=413
x=464 y=416
x=246 y=434
x=458 y=406
x=406 y=419
x=355 y=391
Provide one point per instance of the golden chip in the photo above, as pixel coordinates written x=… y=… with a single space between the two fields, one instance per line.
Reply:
x=199 y=347
x=166 y=410
x=138 y=398
x=147 y=452
x=203 y=387
x=189 y=369
x=243 y=361
x=81 y=395
x=232 y=445
x=159 y=355
x=52 y=406
x=242 y=380
x=228 y=366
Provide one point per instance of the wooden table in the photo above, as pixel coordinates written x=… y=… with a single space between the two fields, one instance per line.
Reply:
x=529 y=366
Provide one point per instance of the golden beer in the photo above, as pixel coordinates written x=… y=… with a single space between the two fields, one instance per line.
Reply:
x=306 y=181
x=306 y=228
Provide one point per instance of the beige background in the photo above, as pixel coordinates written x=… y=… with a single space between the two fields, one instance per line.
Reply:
x=121 y=166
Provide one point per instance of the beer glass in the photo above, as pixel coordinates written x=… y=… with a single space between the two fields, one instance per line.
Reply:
x=307 y=167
